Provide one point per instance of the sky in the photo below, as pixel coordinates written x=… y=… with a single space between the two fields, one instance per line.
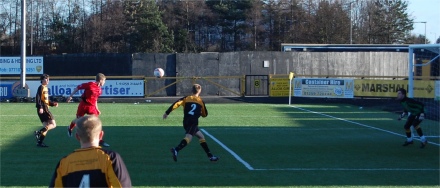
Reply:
x=425 y=11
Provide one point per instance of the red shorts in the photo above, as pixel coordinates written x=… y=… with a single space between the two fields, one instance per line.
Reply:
x=84 y=109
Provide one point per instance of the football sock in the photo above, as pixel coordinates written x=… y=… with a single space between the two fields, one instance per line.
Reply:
x=41 y=138
x=42 y=130
x=182 y=144
x=419 y=132
x=205 y=147
x=72 y=125
x=408 y=135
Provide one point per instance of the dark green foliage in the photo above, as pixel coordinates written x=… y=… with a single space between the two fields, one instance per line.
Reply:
x=148 y=32
x=232 y=17
x=389 y=21
x=188 y=26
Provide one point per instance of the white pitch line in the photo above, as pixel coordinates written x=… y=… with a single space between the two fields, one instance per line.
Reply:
x=432 y=143
x=349 y=169
x=14 y=115
x=247 y=165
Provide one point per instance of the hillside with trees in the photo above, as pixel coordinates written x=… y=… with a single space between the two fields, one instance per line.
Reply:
x=191 y=26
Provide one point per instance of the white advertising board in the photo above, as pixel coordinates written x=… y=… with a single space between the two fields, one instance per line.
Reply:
x=111 y=88
x=11 y=65
x=325 y=88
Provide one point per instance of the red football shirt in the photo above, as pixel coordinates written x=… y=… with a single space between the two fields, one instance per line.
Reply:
x=91 y=92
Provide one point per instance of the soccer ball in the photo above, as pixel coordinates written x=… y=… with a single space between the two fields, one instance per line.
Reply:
x=158 y=72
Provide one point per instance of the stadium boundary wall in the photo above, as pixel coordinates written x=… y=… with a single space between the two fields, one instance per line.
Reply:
x=228 y=64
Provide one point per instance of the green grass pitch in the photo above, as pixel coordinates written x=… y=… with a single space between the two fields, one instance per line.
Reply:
x=259 y=145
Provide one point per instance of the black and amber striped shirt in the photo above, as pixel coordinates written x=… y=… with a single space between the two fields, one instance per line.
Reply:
x=193 y=108
x=42 y=97
x=91 y=167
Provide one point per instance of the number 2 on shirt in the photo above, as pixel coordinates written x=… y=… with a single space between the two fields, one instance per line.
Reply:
x=193 y=106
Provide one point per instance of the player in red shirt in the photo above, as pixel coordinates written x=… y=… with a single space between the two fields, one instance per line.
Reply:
x=89 y=101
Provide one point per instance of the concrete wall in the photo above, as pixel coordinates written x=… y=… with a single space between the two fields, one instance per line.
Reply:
x=192 y=66
x=144 y=64
x=202 y=67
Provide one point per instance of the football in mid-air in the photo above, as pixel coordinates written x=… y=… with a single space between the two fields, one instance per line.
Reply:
x=158 y=72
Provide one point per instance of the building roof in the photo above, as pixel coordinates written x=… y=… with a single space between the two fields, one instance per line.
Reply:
x=286 y=47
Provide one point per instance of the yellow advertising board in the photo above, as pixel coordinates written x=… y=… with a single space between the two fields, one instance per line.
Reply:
x=388 y=88
x=279 y=87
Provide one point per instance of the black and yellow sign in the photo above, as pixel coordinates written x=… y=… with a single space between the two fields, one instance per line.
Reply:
x=388 y=88
x=257 y=83
x=279 y=87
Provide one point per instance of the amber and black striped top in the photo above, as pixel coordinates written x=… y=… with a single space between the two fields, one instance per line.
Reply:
x=91 y=167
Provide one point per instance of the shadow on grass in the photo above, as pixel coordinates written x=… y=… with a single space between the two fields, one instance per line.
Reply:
x=279 y=156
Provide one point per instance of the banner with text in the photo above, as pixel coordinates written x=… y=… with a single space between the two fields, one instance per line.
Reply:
x=388 y=88
x=112 y=88
x=328 y=88
x=279 y=87
x=11 y=65
x=7 y=88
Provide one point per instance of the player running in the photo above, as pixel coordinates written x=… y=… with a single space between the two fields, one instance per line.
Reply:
x=89 y=102
x=194 y=107
x=42 y=103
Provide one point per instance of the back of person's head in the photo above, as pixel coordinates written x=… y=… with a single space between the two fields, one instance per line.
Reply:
x=42 y=77
x=88 y=128
x=99 y=77
x=403 y=91
x=196 y=88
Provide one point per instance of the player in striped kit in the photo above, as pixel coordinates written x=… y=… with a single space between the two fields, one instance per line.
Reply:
x=90 y=165
x=42 y=104
x=193 y=108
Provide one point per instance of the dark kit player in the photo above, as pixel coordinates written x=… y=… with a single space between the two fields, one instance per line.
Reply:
x=416 y=115
x=193 y=108
x=90 y=166
x=42 y=104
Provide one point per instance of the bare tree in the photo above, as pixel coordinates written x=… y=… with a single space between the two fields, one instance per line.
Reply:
x=387 y=22
x=272 y=20
x=113 y=27
x=332 y=23
x=416 y=39
x=6 y=21
x=127 y=26
x=186 y=20
x=231 y=19
x=10 y=25
x=255 y=30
